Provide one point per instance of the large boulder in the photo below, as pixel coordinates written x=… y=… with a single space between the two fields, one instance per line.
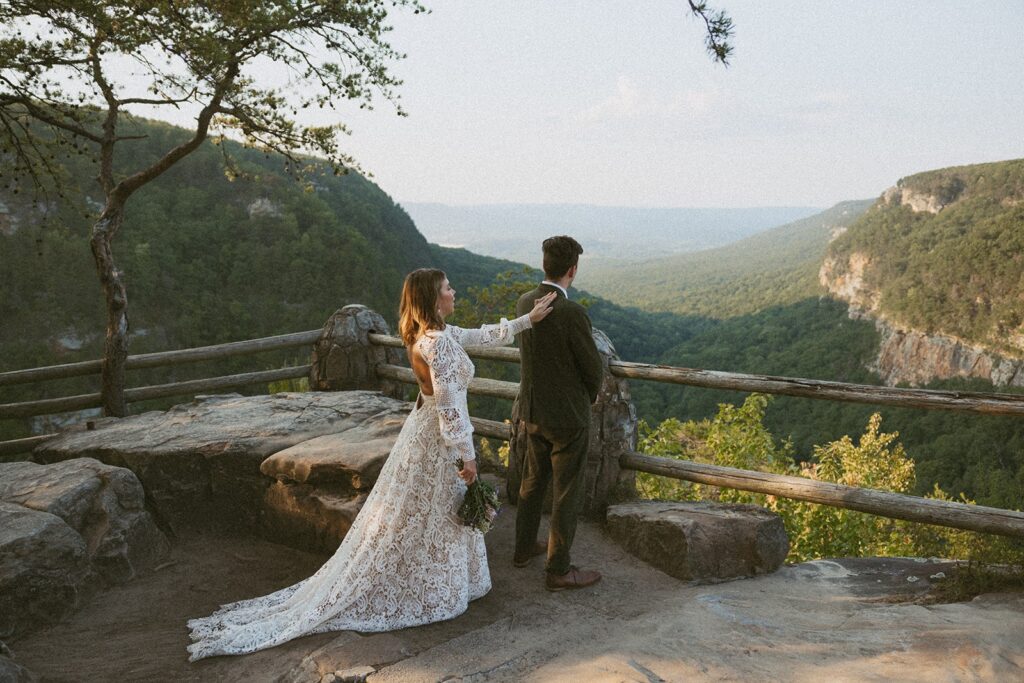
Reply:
x=44 y=569
x=343 y=357
x=199 y=462
x=348 y=461
x=65 y=529
x=701 y=541
x=102 y=504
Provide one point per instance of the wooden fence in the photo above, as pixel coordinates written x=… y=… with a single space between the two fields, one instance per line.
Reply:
x=899 y=506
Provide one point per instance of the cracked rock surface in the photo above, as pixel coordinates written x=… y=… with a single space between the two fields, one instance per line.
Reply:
x=199 y=462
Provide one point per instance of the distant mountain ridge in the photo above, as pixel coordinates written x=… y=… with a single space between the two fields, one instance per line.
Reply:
x=774 y=267
x=514 y=231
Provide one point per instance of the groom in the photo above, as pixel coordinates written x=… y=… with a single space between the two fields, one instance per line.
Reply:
x=561 y=373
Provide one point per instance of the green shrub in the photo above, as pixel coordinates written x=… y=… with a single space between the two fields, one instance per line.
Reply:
x=736 y=437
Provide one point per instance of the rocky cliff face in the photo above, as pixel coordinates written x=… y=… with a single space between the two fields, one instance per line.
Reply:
x=918 y=201
x=915 y=358
x=905 y=355
x=844 y=279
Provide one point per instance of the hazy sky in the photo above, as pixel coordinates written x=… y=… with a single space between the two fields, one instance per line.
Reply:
x=588 y=102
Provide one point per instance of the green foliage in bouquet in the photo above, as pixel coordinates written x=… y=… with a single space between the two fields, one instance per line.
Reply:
x=480 y=506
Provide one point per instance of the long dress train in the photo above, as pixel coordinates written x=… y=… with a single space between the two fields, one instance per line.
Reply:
x=407 y=560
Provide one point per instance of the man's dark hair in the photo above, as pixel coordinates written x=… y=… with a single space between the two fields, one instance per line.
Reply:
x=560 y=254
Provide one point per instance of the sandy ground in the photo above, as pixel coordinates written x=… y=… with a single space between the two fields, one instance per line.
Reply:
x=853 y=620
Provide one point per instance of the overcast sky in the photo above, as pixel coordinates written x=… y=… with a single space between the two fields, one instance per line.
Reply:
x=587 y=102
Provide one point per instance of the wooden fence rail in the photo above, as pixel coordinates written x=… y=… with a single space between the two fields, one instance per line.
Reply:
x=153 y=360
x=896 y=505
x=959 y=401
x=68 y=403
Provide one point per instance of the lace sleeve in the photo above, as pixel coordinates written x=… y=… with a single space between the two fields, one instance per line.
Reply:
x=491 y=335
x=450 y=397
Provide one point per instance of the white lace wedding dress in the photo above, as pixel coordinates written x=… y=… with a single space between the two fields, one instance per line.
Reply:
x=407 y=560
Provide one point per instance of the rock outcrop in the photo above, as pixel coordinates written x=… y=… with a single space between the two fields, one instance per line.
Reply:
x=200 y=462
x=907 y=356
x=344 y=359
x=844 y=279
x=929 y=202
x=701 y=541
x=915 y=358
x=65 y=529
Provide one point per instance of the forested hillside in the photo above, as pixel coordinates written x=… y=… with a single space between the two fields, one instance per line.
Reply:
x=942 y=252
x=207 y=258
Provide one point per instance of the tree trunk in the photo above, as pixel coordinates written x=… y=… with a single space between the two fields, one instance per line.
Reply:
x=115 y=348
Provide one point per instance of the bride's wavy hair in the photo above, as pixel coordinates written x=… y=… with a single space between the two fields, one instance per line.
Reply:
x=417 y=311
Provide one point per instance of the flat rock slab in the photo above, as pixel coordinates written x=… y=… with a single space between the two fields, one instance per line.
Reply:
x=347 y=461
x=842 y=620
x=199 y=462
x=701 y=541
x=354 y=657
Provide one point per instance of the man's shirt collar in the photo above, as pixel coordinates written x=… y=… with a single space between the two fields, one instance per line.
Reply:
x=558 y=287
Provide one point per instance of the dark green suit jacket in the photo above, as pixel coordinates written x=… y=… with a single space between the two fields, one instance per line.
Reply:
x=560 y=368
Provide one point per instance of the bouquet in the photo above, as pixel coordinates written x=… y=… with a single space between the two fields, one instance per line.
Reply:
x=480 y=506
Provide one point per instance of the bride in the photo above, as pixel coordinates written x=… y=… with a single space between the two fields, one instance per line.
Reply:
x=407 y=560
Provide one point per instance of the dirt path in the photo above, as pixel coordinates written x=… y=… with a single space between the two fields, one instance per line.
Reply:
x=816 y=621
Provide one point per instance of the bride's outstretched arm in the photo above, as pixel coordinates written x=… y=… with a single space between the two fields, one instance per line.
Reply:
x=505 y=331
x=498 y=334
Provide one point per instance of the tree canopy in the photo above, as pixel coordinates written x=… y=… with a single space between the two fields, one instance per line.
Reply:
x=70 y=68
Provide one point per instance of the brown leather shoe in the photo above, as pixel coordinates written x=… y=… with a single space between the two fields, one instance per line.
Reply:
x=574 y=578
x=540 y=548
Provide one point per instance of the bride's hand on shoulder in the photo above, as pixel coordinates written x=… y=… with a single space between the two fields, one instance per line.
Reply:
x=541 y=307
